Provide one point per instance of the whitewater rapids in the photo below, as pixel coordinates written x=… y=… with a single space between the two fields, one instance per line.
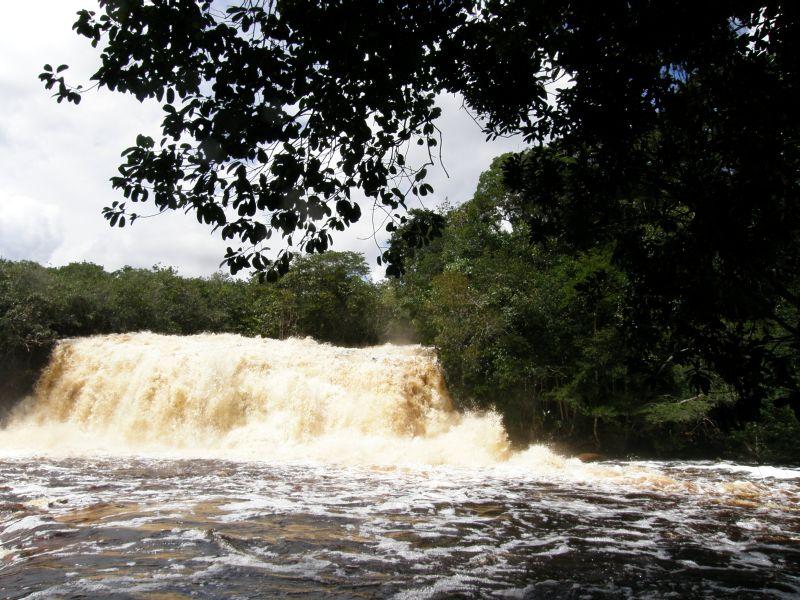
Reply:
x=228 y=396
x=282 y=402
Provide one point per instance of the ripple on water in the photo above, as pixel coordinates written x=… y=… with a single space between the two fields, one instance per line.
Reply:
x=76 y=526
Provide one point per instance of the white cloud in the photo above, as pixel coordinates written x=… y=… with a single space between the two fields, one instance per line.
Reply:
x=29 y=229
x=62 y=156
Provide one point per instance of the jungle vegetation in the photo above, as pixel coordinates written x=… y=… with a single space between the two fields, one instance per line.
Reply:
x=549 y=336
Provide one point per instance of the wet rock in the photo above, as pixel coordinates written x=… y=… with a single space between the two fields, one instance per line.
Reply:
x=590 y=457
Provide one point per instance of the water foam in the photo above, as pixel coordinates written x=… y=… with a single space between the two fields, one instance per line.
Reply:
x=228 y=396
x=223 y=396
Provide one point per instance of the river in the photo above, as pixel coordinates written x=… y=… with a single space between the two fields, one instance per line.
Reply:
x=215 y=466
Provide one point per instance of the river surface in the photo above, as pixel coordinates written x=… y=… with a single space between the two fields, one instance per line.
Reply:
x=172 y=528
x=218 y=466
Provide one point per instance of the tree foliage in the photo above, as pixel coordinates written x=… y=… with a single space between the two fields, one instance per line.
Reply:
x=327 y=296
x=690 y=173
x=524 y=329
x=276 y=114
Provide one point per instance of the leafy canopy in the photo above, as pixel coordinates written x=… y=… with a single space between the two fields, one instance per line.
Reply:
x=280 y=114
x=276 y=114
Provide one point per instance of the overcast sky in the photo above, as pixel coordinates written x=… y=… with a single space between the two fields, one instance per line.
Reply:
x=57 y=159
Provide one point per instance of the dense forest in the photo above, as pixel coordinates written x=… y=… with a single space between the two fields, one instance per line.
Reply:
x=552 y=336
x=539 y=334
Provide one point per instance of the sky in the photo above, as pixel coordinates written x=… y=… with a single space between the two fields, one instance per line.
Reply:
x=56 y=159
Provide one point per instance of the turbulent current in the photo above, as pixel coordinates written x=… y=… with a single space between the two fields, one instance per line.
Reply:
x=149 y=466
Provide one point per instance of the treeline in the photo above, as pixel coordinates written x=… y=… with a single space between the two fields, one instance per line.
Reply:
x=327 y=296
x=546 y=335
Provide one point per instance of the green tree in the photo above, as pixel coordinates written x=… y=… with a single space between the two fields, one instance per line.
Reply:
x=329 y=297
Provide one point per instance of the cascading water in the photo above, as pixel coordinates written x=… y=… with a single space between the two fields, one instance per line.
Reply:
x=228 y=396
x=217 y=465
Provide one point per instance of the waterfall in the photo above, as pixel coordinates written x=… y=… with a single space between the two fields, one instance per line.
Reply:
x=228 y=396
